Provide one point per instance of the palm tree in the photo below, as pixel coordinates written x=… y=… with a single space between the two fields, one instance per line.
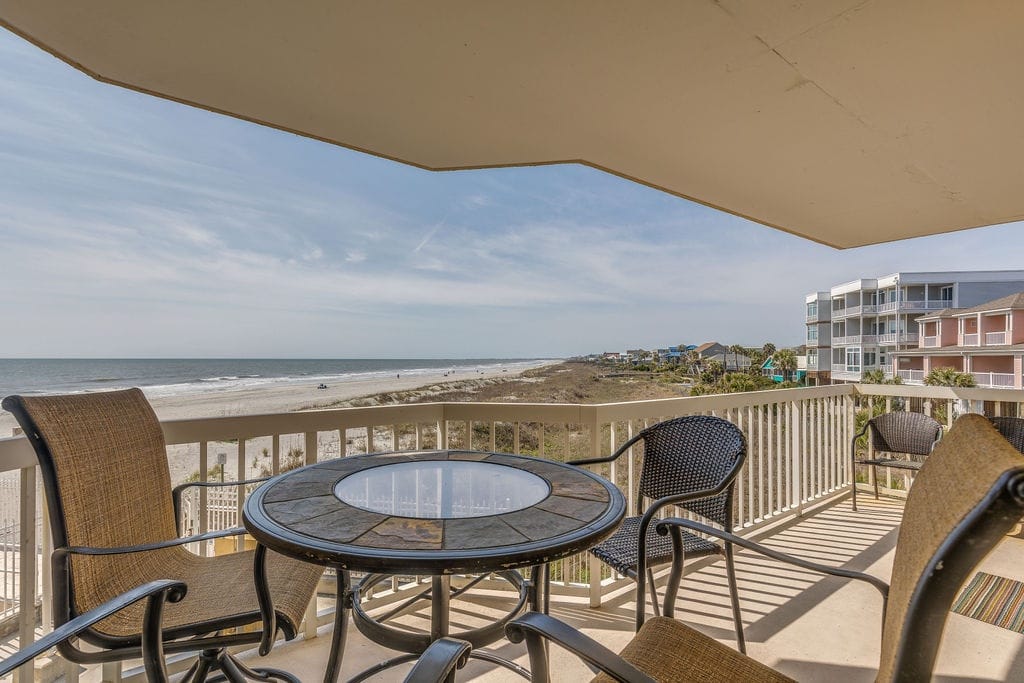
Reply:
x=768 y=349
x=949 y=377
x=784 y=360
x=737 y=351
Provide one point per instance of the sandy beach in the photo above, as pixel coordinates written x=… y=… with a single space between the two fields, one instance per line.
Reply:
x=288 y=397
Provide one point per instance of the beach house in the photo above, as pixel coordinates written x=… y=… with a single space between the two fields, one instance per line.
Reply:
x=985 y=341
x=859 y=326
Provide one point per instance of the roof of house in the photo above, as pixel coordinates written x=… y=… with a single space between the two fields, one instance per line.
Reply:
x=1012 y=301
x=944 y=313
x=705 y=346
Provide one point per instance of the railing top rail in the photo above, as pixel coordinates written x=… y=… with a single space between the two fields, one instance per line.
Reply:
x=914 y=391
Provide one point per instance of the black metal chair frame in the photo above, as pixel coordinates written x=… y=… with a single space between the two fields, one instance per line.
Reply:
x=926 y=615
x=213 y=649
x=879 y=435
x=152 y=653
x=648 y=516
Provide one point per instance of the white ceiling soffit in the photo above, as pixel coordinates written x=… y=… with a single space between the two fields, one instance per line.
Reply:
x=844 y=121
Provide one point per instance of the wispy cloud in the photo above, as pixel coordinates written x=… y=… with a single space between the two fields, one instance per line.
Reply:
x=134 y=226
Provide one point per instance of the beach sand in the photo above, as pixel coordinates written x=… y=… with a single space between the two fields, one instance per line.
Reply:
x=281 y=398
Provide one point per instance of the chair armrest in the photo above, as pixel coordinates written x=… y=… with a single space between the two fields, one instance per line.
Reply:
x=152 y=647
x=439 y=662
x=177 y=491
x=535 y=627
x=663 y=528
x=608 y=458
x=123 y=550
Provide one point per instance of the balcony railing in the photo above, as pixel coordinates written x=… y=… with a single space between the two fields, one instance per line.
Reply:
x=898 y=338
x=972 y=339
x=912 y=376
x=1003 y=380
x=995 y=338
x=930 y=341
x=798 y=442
x=891 y=306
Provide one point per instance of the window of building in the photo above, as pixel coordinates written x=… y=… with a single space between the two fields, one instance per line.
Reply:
x=812 y=309
x=812 y=333
x=869 y=359
x=853 y=360
x=946 y=293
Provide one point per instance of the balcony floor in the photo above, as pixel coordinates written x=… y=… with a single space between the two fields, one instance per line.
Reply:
x=813 y=629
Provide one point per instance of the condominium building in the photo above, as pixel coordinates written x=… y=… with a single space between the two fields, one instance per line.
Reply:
x=858 y=326
x=986 y=341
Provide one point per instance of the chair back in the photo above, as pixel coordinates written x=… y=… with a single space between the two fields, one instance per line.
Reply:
x=1012 y=429
x=968 y=494
x=104 y=466
x=689 y=454
x=905 y=432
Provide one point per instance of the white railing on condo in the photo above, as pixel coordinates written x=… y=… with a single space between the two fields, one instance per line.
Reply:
x=912 y=376
x=930 y=341
x=868 y=308
x=917 y=305
x=994 y=379
x=897 y=338
x=887 y=369
x=995 y=337
x=972 y=339
x=812 y=362
x=798 y=442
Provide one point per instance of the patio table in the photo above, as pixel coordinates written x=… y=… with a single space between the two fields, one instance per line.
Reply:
x=432 y=513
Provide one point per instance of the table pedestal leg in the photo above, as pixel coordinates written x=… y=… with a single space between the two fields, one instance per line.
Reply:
x=440 y=595
x=340 y=628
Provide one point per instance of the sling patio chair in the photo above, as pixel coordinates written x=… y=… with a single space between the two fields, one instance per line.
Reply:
x=968 y=494
x=690 y=462
x=900 y=440
x=104 y=466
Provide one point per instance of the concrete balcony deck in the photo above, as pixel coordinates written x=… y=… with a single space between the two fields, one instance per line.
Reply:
x=812 y=628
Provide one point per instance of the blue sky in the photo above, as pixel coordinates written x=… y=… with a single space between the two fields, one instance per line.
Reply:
x=135 y=227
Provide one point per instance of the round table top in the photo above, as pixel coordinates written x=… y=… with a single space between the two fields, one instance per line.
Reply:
x=434 y=512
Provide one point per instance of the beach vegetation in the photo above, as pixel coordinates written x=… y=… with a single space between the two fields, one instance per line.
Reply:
x=949 y=377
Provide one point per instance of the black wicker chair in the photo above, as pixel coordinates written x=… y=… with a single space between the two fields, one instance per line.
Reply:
x=911 y=435
x=968 y=495
x=690 y=462
x=1012 y=428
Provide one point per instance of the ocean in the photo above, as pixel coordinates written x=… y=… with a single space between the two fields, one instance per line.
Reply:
x=170 y=376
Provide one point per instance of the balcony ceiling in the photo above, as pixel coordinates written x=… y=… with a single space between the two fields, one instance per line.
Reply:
x=848 y=122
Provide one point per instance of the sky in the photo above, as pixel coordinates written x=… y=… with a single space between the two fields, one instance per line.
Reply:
x=135 y=227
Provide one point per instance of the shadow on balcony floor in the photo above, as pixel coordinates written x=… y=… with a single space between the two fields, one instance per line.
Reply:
x=813 y=628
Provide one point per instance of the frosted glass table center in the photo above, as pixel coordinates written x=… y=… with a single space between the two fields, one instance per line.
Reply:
x=442 y=489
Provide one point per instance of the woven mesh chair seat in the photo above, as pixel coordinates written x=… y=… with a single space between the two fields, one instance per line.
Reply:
x=1012 y=429
x=620 y=550
x=672 y=652
x=220 y=588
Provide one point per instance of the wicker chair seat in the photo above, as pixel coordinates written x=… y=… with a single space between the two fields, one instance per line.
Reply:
x=620 y=550
x=220 y=588
x=672 y=652
x=895 y=463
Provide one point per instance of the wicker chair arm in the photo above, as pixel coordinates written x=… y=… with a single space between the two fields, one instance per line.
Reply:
x=124 y=550
x=156 y=592
x=663 y=529
x=608 y=458
x=439 y=662
x=180 y=488
x=535 y=627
